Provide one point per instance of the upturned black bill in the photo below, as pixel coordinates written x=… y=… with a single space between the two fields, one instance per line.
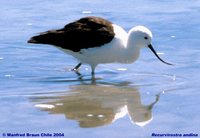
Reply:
x=151 y=47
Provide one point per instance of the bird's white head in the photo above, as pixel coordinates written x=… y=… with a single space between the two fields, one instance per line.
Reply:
x=140 y=36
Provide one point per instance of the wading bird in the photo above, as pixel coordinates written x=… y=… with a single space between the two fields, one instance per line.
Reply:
x=94 y=40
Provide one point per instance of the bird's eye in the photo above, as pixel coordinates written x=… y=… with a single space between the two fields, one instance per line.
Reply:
x=145 y=37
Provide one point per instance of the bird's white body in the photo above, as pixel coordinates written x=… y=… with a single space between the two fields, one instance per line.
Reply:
x=124 y=48
x=98 y=41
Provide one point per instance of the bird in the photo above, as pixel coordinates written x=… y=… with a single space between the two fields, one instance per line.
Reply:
x=95 y=40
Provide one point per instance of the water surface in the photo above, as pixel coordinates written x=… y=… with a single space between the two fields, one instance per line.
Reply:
x=39 y=93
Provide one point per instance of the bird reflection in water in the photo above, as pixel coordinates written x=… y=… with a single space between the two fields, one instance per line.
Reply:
x=98 y=105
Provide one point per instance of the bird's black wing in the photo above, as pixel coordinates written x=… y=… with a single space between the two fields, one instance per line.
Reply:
x=84 y=33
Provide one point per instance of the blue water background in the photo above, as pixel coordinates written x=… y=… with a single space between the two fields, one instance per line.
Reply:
x=39 y=74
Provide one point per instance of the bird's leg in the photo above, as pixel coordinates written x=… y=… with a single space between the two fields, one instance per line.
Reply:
x=93 y=70
x=77 y=66
x=75 y=69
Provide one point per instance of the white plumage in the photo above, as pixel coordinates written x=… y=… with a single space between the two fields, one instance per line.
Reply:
x=121 y=47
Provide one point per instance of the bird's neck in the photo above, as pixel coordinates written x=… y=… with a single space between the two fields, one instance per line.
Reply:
x=132 y=52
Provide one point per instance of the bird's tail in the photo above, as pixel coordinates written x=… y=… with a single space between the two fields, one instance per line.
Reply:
x=43 y=38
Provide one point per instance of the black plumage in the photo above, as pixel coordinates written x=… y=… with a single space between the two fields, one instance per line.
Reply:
x=84 y=33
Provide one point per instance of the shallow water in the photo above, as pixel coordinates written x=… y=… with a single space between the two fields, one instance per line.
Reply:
x=39 y=93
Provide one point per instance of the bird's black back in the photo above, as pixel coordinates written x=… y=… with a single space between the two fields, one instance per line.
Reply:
x=84 y=33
